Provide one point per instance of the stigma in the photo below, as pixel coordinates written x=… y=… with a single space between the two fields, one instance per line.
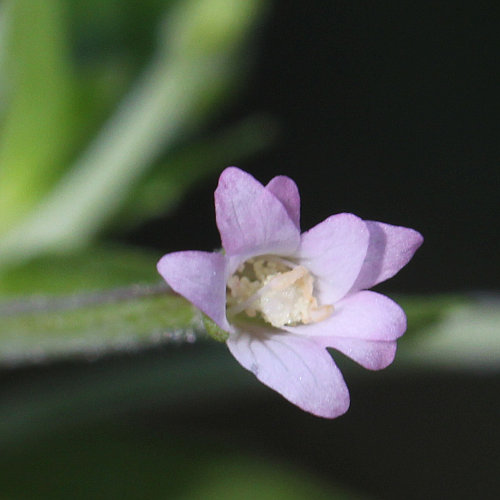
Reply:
x=277 y=290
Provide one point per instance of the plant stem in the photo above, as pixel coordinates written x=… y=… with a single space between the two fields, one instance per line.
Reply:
x=38 y=304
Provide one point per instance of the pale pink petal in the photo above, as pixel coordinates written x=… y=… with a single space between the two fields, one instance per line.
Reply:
x=287 y=192
x=390 y=248
x=251 y=220
x=364 y=315
x=201 y=278
x=371 y=354
x=334 y=251
x=298 y=368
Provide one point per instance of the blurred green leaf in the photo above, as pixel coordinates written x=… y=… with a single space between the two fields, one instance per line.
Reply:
x=38 y=130
x=200 y=28
x=425 y=310
x=197 y=63
x=452 y=332
x=3 y=57
x=94 y=268
x=163 y=188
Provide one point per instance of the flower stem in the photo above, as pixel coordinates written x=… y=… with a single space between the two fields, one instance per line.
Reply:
x=37 y=304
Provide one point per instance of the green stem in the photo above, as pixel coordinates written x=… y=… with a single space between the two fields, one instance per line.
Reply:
x=39 y=304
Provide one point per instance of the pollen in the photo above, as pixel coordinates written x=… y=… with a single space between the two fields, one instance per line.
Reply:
x=277 y=290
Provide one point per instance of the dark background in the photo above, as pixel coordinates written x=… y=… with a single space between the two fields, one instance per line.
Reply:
x=388 y=110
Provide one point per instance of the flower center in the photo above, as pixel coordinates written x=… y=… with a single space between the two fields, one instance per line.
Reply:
x=280 y=291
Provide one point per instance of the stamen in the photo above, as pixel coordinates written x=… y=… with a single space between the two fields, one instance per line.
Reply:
x=280 y=290
x=241 y=306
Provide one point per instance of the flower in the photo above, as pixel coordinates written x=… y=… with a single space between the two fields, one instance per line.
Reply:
x=283 y=297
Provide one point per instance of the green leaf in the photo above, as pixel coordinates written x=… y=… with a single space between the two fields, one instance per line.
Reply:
x=176 y=93
x=94 y=268
x=163 y=188
x=38 y=131
x=3 y=57
x=451 y=332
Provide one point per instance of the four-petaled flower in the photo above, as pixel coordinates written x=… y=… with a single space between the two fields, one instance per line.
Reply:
x=283 y=297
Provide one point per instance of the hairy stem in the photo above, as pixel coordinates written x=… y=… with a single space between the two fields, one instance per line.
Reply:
x=38 y=304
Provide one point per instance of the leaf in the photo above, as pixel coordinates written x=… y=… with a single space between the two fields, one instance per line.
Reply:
x=3 y=69
x=163 y=188
x=94 y=268
x=452 y=333
x=38 y=131
x=176 y=93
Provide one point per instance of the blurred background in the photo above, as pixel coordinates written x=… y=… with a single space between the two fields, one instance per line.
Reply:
x=116 y=119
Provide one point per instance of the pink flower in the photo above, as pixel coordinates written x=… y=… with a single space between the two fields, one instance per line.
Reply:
x=283 y=297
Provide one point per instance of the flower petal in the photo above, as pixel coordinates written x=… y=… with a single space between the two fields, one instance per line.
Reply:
x=390 y=248
x=287 y=192
x=251 y=219
x=201 y=278
x=296 y=367
x=364 y=315
x=334 y=252
x=371 y=354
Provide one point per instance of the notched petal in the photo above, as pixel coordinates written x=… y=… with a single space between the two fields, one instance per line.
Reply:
x=287 y=192
x=370 y=354
x=299 y=369
x=251 y=219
